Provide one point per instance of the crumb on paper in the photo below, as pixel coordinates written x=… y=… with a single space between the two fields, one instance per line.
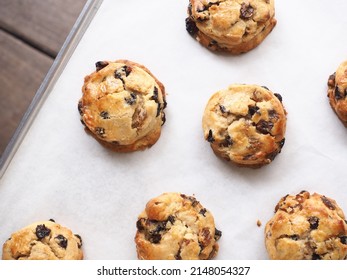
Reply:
x=258 y=223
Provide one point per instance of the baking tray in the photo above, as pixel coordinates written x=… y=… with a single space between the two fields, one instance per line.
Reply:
x=53 y=169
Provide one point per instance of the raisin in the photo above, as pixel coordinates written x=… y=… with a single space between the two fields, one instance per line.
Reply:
x=171 y=219
x=127 y=70
x=343 y=239
x=246 y=11
x=51 y=220
x=191 y=26
x=314 y=222
x=272 y=155
x=192 y=199
x=264 y=127
x=217 y=234
x=163 y=119
x=252 y=110
x=328 y=203
x=203 y=212
x=331 y=80
x=62 y=241
x=316 y=256
x=139 y=224
x=210 y=136
x=158 y=110
x=279 y=97
x=338 y=94
x=105 y=115
x=265 y=87
x=80 y=238
x=154 y=238
x=160 y=227
x=165 y=104
x=100 y=131
x=155 y=95
x=281 y=143
x=201 y=245
x=100 y=64
x=121 y=71
x=178 y=255
x=42 y=231
x=80 y=106
x=227 y=142
x=222 y=109
x=132 y=99
x=294 y=237
x=206 y=236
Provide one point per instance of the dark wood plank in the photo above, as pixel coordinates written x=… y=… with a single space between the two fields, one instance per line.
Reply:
x=21 y=73
x=42 y=23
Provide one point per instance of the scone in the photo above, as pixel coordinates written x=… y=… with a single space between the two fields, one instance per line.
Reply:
x=123 y=105
x=234 y=26
x=174 y=226
x=337 y=92
x=45 y=240
x=245 y=124
x=307 y=227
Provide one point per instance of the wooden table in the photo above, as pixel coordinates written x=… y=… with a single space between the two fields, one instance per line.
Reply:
x=31 y=35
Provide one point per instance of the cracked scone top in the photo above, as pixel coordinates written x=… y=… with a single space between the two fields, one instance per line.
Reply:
x=123 y=105
x=307 y=227
x=236 y=26
x=245 y=124
x=337 y=92
x=45 y=240
x=174 y=226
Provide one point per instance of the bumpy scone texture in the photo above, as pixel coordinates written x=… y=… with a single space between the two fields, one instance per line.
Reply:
x=235 y=26
x=175 y=226
x=44 y=240
x=245 y=124
x=337 y=92
x=123 y=105
x=307 y=227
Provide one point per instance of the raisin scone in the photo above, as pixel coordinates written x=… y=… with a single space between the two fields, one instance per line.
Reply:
x=337 y=92
x=235 y=26
x=44 y=240
x=245 y=124
x=123 y=105
x=175 y=226
x=307 y=227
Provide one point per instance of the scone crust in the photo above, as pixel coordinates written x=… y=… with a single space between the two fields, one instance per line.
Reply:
x=337 y=92
x=307 y=227
x=235 y=26
x=123 y=105
x=245 y=124
x=44 y=240
x=174 y=226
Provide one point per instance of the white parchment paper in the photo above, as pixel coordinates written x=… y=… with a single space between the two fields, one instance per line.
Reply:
x=60 y=172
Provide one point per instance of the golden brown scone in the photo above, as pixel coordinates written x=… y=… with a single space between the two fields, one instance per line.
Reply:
x=337 y=92
x=174 y=226
x=307 y=227
x=245 y=124
x=235 y=26
x=45 y=240
x=123 y=105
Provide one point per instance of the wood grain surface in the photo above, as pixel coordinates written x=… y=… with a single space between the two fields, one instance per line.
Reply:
x=42 y=23
x=31 y=34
